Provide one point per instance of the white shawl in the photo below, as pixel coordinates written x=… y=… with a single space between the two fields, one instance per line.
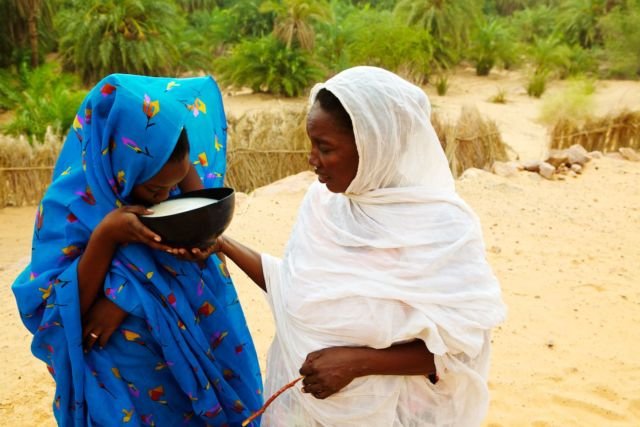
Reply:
x=398 y=257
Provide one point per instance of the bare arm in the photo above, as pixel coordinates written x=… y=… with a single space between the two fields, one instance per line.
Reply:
x=100 y=316
x=246 y=258
x=329 y=370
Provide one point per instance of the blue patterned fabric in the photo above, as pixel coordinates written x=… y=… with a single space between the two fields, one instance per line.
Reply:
x=184 y=355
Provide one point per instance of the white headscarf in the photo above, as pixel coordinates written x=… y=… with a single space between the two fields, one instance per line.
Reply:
x=399 y=256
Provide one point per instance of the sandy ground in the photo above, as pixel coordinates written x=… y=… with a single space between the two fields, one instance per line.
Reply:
x=566 y=253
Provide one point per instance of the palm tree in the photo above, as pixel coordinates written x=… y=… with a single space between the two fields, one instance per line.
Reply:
x=491 y=42
x=294 y=19
x=22 y=21
x=450 y=22
x=132 y=36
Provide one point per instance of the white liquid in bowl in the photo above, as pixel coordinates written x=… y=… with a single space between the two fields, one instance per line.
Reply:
x=176 y=206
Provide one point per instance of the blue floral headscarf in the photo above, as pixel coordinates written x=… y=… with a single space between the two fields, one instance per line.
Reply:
x=183 y=355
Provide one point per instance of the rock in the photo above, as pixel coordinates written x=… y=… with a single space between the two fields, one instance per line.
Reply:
x=532 y=166
x=505 y=169
x=558 y=157
x=614 y=155
x=596 y=154
x=472 y=173
x=629 y=154
x=547 y=170
x=577 y=154
x=576 y=168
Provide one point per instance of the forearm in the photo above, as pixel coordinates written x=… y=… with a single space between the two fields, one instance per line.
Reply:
x=93 y=267
x=412 y=358
x=247 y=259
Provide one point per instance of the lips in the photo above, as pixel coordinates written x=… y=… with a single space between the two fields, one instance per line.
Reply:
x=322 y=177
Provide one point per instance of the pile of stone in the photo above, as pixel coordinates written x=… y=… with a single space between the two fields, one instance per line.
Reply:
x=561 y=163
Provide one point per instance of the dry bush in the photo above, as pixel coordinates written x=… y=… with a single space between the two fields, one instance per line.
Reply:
x=604 y=134
x=265 y=146
x=25 y=169
x=471 y=143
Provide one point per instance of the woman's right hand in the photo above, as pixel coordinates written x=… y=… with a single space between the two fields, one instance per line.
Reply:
x=123 y=226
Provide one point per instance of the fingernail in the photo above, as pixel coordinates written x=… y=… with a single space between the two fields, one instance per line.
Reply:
x=157 y=238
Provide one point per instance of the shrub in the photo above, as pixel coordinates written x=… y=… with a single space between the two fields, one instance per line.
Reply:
x=491 y=43
x=46 y=98
x=621 y=33
x=128 y=36
x=267 y=65
x=575 y=102
x=378 y=39
x=442 y=84
x=500 y=97
x=537 y=83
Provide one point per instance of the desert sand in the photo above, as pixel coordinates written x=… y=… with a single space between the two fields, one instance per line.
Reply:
x=566 y=253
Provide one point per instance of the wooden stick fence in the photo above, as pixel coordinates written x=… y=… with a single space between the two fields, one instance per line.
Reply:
x=263 y=147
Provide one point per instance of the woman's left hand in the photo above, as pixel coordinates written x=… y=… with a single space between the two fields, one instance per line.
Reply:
x=100 y=322
x=329 y=370
x=199 y=255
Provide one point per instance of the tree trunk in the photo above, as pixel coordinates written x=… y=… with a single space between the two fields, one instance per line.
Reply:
x=33 y=34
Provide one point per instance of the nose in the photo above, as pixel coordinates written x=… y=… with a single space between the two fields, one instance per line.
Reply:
x=313 y=158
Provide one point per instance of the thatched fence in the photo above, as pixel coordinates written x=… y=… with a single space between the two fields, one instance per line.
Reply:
x=604 y=134
x=263 y=146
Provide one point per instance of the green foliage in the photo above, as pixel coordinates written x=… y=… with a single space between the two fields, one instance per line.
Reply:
x=450 y=23
x=191 y=6
x=442 y=84
x=43 y=97
x=294 y=19
x=239 y=21
x=621 y=33
x=376 y=4
x=549 y=54
x=377 y=38
x=27 y=31
x=500 y=97
x=506 y=7
x=333 y=36
x=537 y=83
x=267 y=65
x=491 y=42
x=578 y=21
x=535 y=23
x=131 y=36
x=579 y=61
x=574 y=102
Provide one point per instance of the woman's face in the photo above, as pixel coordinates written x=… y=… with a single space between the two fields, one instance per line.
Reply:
x=333 y=150
x=157 y=189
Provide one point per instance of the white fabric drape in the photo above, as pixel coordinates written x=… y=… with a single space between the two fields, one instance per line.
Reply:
x=398 y=257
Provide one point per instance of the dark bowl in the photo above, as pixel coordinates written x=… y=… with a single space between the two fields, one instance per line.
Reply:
x=197 y=227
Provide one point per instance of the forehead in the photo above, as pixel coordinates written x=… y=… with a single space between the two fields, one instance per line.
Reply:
x=323 y=124
x=170 y=173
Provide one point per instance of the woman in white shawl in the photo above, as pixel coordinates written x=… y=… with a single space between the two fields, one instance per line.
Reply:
x=384 y=300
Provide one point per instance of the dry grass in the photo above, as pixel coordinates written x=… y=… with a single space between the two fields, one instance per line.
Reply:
x=471 y=143
x=263 y=147
x=604 y=134
x=266 y=146
x=25 y=169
